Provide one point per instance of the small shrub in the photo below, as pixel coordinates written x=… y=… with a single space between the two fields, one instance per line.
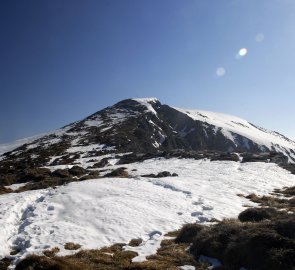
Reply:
x=36 y=175
x=62 y=173
x=4 y=263
x=72 y=246
x=254 y=245
x=51 y=252
x=77 y=171
x=257 y=214
x=135 y=242
x=285 y=226
x=188 y=233
x=120 y=172
x=102 y=163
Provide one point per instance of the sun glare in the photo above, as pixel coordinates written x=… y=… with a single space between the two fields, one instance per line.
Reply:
x=243 y=52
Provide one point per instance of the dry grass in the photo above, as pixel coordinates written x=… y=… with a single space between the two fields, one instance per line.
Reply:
x=51 y=252
x=84 y=259
x=135 y=242
x=4 y=190
x=119 y=172
x=264 y=245
x=72 y=246
x=275 y=201
x=188 y=233
x=4 y=263
x=169 y=256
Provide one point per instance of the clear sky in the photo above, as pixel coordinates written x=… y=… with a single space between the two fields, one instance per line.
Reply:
x=61 y=60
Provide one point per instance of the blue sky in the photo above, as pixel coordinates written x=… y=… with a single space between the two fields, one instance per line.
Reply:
x=63 y=60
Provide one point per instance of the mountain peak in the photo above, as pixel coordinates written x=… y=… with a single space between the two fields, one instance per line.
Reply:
x=144 y=125
x=148 y=100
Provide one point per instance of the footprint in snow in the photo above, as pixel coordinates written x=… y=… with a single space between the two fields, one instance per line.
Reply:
x=199 y=202
x=155 y=234
x=197 y=213
x=207 y=207
x=203 y=219
x=41 y=199
x=50 y=208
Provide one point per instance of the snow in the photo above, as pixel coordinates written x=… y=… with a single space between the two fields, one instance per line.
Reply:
x=230 y=125
x=87 y=148
x=212 y=261
x=147 y=103
x=187 y=267
x=16 y=186
x=13 y=145
x=105 y=211
x=93 y=122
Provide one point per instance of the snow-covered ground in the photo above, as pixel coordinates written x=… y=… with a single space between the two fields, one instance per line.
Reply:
x=104 y=211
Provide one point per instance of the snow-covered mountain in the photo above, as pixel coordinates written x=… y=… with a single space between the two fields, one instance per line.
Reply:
x=146 y=125
x=152 y=140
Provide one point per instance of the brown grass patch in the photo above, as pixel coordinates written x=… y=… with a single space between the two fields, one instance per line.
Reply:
x=120 y=172
x=169 y=256
x=72 y=246
x=274 y=201
x=4 y=263
x=51 y=252
x=260 y=245
x=188 y=233
x=135 y=242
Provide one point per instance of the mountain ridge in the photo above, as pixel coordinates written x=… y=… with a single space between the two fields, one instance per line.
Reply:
x=188 y=127
x=134 y=130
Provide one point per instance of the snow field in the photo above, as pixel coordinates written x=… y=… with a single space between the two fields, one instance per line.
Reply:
x=105 y=211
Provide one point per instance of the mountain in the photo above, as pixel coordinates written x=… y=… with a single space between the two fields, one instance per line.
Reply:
x=137 y=127
x=136 y=171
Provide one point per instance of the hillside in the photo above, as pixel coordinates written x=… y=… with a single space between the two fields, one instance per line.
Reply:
x=138 y=127
x=134 y=170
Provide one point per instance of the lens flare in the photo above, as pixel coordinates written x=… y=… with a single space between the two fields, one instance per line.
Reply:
x=220 y=71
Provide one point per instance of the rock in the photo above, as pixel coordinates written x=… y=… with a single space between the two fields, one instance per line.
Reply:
x=35 y=175
x=102 y=163
x=160 y=174
x=4 y=190
x=77 y=171
x=62 y=173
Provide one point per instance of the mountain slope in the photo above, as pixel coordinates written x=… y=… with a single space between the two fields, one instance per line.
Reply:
x=140 y=126
x=244 y=134
x=168 y=179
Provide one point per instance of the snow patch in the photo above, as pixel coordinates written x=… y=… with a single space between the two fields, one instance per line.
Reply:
x=147 y=103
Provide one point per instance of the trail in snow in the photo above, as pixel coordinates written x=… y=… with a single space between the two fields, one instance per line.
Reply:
x=14 y=216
